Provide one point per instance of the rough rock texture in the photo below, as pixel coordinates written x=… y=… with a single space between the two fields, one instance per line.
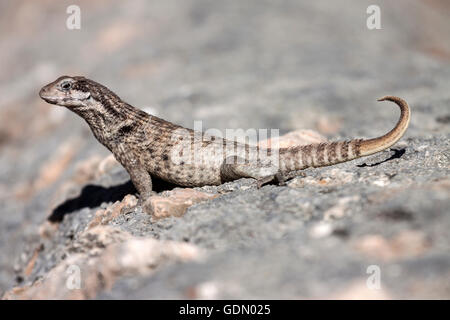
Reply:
x=68 y=209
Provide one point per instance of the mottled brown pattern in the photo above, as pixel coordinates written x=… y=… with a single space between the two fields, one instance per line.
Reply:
x=321 y=153
x=332 y=153
x=149 y=146
x=306 y=150
x=344 y=151
x=357 y=147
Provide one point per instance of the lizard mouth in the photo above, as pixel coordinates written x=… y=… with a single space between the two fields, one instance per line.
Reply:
x=49 y=100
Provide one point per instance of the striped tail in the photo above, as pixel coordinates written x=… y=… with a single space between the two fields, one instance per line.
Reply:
x=329 y=153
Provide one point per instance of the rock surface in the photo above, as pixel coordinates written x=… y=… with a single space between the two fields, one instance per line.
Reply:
x=70 y=226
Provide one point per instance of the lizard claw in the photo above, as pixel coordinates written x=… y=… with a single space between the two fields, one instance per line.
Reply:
x=276 y=178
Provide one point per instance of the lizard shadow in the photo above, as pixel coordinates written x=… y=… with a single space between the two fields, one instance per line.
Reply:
x=92 y=196
x=397 y=154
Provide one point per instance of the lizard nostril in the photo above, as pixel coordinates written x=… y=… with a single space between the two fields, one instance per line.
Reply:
x=43 y=93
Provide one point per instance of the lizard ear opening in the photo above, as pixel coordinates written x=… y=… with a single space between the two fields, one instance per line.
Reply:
x=81 y=95
x=87 y=95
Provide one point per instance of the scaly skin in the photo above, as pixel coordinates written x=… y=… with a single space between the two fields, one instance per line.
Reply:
x=148 y=146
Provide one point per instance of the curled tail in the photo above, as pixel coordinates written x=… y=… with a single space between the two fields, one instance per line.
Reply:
x=329 y=153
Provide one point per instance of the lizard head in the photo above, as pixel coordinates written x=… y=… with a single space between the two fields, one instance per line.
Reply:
x=67 y=91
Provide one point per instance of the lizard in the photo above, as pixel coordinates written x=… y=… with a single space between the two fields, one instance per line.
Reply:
x=148 y=146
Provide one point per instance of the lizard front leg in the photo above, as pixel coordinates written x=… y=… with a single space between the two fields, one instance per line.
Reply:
x=142 y=182
x=139 y=175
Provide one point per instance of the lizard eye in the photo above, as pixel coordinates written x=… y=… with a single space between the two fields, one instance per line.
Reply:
x=66 y=85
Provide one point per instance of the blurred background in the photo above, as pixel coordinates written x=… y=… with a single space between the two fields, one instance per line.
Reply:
x=284 y=64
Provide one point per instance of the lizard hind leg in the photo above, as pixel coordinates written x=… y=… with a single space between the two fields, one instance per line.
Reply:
x=234 y=168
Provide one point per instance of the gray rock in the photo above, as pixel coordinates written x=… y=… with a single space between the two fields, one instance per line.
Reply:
x=240 y=64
